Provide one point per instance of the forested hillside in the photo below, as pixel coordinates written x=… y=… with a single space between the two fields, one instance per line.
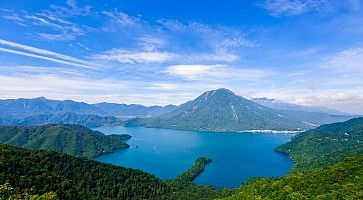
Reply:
x=71 y=139
x=341 y=181
x=80 y=178
x=74 y=178
x=329 y=165
x=325 y=145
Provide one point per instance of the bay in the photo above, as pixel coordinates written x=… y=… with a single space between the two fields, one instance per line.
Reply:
x=235 y=156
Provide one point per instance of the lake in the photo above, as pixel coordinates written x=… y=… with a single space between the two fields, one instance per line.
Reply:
x=167 y=153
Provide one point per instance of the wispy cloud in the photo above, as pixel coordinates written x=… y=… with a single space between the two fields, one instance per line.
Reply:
x=55 y=19
x=346 y=60
x=45 y=55
x=72 y=9
x=293 y=7
x=218 y=37
x=122 y=18
x=132 y=57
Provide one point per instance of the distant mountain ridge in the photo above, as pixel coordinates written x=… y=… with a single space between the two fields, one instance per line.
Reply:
x=22 y=108
x=135 y=110
x=310 y=114
x=280 y=105
x=222 y=110
x=229 y=112
x=66 y=118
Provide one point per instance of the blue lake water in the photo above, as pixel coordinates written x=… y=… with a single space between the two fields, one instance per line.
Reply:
x=167 y=153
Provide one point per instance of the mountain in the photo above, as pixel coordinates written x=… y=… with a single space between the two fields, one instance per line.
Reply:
x=280 y=105
x=310 y=114
x=325 y=145
x=133 y=110
x=221 y=110
x=71 y=139
x=22 y=108
x=66 y=118
x=314 y=118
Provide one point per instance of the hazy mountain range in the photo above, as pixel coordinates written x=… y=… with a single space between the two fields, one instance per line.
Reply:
x=280 y=105
x=222 y=110
x=217 y=110
x=21 y=108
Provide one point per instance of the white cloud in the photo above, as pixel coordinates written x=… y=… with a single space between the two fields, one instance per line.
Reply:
x=221 y=37
x=14 y=17
x=215 y=73
x=292 y=7
x=150 y=43
x=130 y=56
x=210 y=57
x=122 y=18
x=346 y=60
x=72 y=9
x=59 y=28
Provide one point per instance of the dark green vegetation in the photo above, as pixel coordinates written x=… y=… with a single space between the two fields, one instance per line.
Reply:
x=221 y=110
x=183 y=187
x=328 y=165
x=7 y=193
x=325 y=145
x=195 y=170
x=341 y=181
x=79 y=178
x=67 y=118
x=71 y=139
x=74 y=178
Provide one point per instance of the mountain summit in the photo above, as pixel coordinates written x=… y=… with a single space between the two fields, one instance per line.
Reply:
x=222 y=110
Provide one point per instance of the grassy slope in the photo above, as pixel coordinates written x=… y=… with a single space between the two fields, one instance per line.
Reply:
x=71 y=139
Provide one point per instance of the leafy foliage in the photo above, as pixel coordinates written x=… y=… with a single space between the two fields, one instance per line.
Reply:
x=79 y=178
x=325 y=145
x=74 y=178
x=71 y=139
x=341 y=181
x=183 y=187
x=195 y=170
x=7 y=193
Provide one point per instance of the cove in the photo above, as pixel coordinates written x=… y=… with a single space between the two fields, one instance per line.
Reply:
x=168 y=153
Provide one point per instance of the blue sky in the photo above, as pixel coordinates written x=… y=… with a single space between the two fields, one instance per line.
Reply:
x=167 y=52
